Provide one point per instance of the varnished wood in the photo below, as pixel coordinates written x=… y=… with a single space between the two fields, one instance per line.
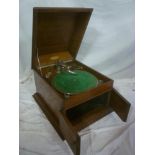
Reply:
x=58 y=29
x=90 y=94
x=52 y=58
x=70 y=134
x=119 y=104
x=48 y=112
x=58 y=32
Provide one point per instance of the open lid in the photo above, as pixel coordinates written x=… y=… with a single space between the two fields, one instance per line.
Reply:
x=58 y=30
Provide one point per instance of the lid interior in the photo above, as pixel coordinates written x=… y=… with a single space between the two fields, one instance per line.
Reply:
x=58 y=30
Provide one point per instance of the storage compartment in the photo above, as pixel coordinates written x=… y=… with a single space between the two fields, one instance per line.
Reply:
x=85 y=113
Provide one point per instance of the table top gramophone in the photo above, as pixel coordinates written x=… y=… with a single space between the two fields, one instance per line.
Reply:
x=71 y=94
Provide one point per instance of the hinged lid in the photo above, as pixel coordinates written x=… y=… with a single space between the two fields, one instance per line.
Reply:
x=57 y=32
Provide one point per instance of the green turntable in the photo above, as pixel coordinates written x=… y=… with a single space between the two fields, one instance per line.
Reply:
x=74 y=82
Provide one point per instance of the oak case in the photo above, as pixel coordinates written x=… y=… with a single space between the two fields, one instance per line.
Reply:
x=58 y=32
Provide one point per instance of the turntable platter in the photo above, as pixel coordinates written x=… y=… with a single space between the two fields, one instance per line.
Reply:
x=68 y=83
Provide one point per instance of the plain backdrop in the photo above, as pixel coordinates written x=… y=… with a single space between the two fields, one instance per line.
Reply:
x=108 y=44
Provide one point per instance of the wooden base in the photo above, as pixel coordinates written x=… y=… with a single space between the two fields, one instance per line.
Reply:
x=69 y=131
x=48 y=113
x=75 y=145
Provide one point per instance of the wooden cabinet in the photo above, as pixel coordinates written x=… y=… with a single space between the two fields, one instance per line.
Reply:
x=57 y=35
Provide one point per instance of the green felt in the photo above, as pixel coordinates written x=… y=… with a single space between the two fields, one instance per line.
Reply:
x=66 y=82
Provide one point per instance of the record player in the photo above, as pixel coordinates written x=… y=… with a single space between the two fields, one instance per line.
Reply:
x=71 y=94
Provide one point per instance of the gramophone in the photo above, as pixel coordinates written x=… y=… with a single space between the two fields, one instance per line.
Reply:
x=71 y=94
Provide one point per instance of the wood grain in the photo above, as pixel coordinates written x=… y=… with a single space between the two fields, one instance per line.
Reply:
x=59 y=32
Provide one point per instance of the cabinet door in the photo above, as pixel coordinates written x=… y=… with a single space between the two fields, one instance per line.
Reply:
x=119 y=104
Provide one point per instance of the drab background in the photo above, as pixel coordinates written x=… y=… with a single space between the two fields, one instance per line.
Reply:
x=108 y=44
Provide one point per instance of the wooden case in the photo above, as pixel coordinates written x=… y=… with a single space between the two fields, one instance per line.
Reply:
x=57 y=33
